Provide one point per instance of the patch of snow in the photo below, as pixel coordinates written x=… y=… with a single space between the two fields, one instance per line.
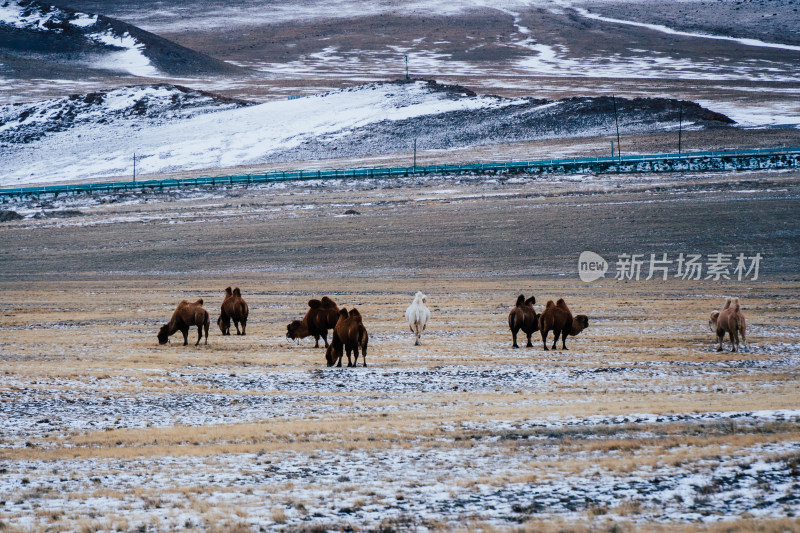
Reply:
x=83 y=20
x=671 y=31
x=131 y=59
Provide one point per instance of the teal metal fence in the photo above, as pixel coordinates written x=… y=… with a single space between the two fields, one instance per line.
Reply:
x=755 y=158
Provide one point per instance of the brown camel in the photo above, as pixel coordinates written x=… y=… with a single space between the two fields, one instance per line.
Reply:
x=558 y=318
x=186 y=315
x=523 y=317
x=351 y=334
x=731 y=321
x=320 y=317
x=233 y=308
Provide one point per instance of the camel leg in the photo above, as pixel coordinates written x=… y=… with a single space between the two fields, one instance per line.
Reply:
x=564 y=340
x=349 y=361
x=544 y=339
x=244 y=326
x=185 y=332
x=316 y=338
x=744 y=341
x=199 y=334
x=236 y=324
x=720 y=337
x=734 y=340
x=557 y=333
x=514 y=338
x=206 y=328
x=530 y=344
x=325 y=337
x=355 y=355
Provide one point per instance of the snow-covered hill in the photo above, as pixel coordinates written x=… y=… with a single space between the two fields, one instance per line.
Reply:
x=133 y=106
x=36 y=34
x=98 y=137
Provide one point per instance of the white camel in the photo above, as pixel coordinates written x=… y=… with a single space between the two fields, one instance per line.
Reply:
x=418 y=315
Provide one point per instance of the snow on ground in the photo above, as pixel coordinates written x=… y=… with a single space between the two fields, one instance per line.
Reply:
x=31 y=16
x=671 y=31
x=228 y=138
x=122 y=52
x=146 y=104
x=367 y=487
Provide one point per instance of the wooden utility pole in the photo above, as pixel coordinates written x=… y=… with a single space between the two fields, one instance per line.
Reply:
x=134 y=167
x=680 y=126
x=406 y=67
x=415 y=155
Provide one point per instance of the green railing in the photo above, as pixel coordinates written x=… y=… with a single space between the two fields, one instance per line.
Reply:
x=556 y=165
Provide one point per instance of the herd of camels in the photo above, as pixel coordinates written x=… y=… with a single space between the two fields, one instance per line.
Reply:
x=350 y=336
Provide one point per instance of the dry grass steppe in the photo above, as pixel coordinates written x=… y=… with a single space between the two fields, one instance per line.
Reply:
x=639 y=425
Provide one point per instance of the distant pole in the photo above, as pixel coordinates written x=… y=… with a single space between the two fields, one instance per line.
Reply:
x=415 y=155
x=612 y=147
x=406 y=67
x=616 y=121
x=680 y=126
x=134 y=167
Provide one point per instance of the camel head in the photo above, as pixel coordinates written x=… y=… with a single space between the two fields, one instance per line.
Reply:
x=224 y=325
x=332 y=354
x=712 y=322
x=579 y=323
x=296 y=330
x=163 y=334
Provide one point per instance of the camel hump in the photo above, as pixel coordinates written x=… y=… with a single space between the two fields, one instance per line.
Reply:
x=199 y=301
x=343 y=312
x=327 y=302
x=727 y=304
x=228 y=291
x=561 y=302
x=354 y=313
x=237 y=292
x=530 y=301
x=314 y=304
x=736 y=304
x=550 y=304
x=520 y=300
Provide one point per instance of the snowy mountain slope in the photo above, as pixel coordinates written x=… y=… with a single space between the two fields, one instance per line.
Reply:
x=147 y=104
x=369 y=119
x=37 y=32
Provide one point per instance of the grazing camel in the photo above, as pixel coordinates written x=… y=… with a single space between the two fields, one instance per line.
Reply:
x=233 y=308
x=558 y=318
x=320 y=317
x=523 y=317
x=731 y=321
x=417 y=316
x=350 y=334
x=187 y=314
